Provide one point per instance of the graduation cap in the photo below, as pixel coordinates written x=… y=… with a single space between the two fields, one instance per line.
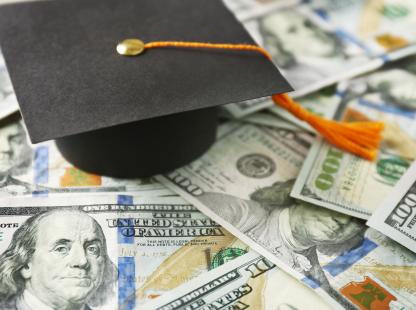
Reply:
x=129 y=116
x=125 y=116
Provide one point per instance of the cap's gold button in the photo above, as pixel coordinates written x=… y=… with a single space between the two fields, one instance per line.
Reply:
x=130 y=47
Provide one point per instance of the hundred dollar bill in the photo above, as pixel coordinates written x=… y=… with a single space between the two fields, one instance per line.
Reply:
x=241 y=109
x=310 y=54
x=245 y=9
x=346 y=183
x=379 y=25
x=250 y=281
x=267 y=118
x=396 y=216
x=243 y=183
x=40 y=169
x=104 y=252
x=8 y=101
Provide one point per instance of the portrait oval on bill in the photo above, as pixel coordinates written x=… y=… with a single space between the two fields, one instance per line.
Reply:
x=16 y=156
x=57 y=260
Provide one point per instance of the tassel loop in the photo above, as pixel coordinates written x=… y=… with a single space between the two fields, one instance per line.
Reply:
x=359 y=138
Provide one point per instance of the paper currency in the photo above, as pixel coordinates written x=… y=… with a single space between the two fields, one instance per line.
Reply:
x=8 y=101
x=311 y=54
x=346 y=183
x=322 y=42
x=241 y=109
x=268 y=118
x=243 y=183
x=54 y=251
x=245 y=9
x=40 y=169
x=379 y=25
x=250 y=281
x=396 y=216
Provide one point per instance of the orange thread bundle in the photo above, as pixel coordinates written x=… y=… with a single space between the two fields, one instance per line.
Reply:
x=359 y=138
x=241 y=47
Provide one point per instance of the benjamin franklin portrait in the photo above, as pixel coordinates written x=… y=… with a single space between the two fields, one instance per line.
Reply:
x=15 y=155
x=57 y=260
x=301 y=48
x=292 y=230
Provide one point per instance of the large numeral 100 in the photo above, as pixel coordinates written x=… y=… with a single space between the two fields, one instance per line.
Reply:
x=329 y=168
x=405 y=209
x=185 y=184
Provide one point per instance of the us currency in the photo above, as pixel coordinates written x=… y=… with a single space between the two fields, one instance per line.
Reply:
x=396 y=216
x=104 y=252
x=250 y=281
x=245 y=9
x=241 y=109
x=27 y=169
x=8 y=101
x=381 y=26
x=243 y=183
x=346 y=183
x=267 y=118
x=310 y=53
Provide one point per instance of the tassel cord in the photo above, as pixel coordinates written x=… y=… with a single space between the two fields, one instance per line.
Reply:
x=359 y=138
x=227 y=46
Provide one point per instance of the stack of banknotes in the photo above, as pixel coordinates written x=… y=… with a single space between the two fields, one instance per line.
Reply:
x=271 y=217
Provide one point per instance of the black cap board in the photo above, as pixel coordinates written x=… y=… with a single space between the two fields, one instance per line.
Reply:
x=128 y=116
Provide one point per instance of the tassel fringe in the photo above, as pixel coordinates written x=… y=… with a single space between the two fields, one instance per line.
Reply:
x=359 y=138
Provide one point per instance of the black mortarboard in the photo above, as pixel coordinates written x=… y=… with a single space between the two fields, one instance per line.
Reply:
x=128 y=116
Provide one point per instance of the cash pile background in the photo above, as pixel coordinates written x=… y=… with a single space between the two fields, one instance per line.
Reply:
x=271 y=217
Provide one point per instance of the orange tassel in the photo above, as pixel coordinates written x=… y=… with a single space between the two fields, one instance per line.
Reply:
x=359 y=138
